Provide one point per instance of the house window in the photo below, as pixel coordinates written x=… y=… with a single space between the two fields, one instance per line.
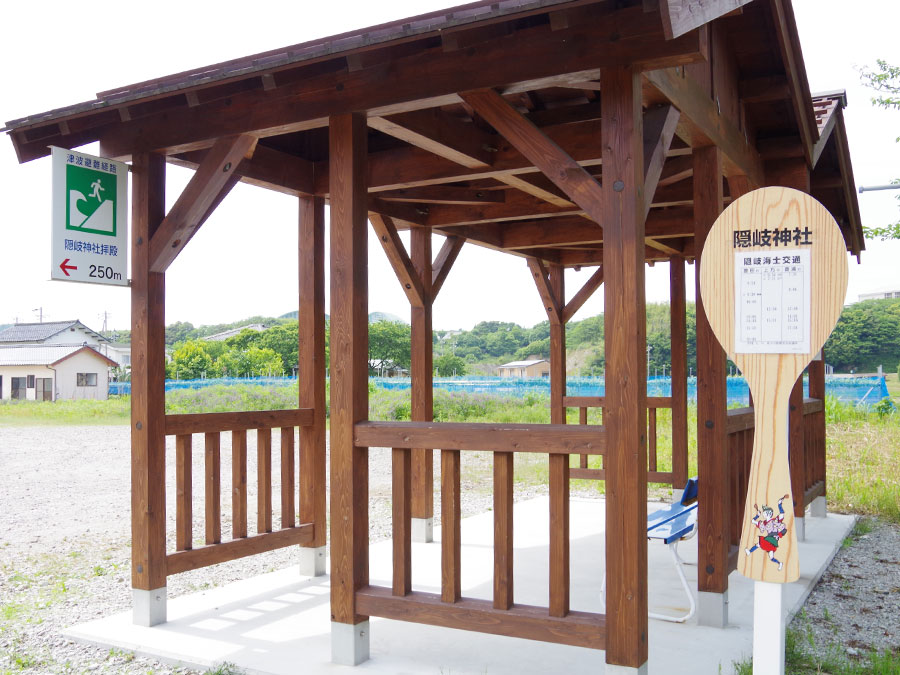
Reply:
x=18 y=387
x=86 y=380
x=31 y=382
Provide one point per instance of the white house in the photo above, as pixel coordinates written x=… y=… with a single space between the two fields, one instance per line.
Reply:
x=532 y=368
x=38 y=372
x=66 y=333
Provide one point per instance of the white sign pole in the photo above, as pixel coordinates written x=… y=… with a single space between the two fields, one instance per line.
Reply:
x=768 y=628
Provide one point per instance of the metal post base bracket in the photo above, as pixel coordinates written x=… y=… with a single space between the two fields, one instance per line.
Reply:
x=712 y=609
x=349 y=643
x=423 y=530
x=148 y=607
x=818 y=508
x=613 y=669
x=312 y=561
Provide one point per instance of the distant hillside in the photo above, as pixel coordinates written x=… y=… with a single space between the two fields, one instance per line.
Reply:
x=384 y=316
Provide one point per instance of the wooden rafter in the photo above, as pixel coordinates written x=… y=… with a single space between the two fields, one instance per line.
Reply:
x=542 y=281
x=582 y=296
x=441 y=134
x=444 y=262
x=540 y=150
x=399 y=259
x=702 y=125
x=193 y=206
x=444 y=194
x=682 y=16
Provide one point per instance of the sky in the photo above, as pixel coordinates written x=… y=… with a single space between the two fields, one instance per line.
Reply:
x=243 y=261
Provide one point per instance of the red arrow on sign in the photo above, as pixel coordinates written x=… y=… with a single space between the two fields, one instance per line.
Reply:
x=65 y=268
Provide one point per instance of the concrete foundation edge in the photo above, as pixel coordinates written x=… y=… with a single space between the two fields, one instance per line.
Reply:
x=712 y=609
x=312 y=561
x=422 y=530
x=148 y=607
x=612 y=669
x=349 y=643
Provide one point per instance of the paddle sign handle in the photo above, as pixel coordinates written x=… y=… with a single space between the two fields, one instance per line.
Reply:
x=773 y=278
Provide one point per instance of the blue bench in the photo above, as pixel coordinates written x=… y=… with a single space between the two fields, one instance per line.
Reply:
x=671 y=525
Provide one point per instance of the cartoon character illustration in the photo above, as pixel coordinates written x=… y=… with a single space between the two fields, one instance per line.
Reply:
x=771 y=530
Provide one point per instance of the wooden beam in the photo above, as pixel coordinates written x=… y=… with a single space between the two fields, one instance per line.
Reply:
x=193 y=204
x=204 y=556
x=311 y=365
x=675 y=170
x=423 y=79
x=441 y=134
x=201 y=423
x=659 y=130
x=148 y=374
x=444 y=263
x=701 y=124
x=682 y=16
x=444 y=194
x=399 y=259
x=625 y=415
x=764 y=89
x=541 y=438
x=548 y=297
x=349 y=365
x=586 y=291
x=580 y=629
x=679 y=372
x=540 y=150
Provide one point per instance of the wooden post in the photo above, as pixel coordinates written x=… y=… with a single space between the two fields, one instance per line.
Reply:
x=679 y=374
x=559 y=464
x=311 y=379
x=625 y=410
x=816 y=372
x=349 y=385
x=148 y=374
x=422 y=397
x=714 y=464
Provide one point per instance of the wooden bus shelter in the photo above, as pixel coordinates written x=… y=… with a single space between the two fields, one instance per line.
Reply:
x=571 y=133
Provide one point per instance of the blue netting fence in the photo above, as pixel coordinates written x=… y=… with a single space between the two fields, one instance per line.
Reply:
x=862 y=391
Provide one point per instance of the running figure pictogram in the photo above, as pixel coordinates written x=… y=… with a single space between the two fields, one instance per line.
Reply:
x=97 y=190
x=771 y=530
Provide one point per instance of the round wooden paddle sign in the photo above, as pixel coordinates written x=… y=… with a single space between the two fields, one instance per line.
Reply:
x=773 y=276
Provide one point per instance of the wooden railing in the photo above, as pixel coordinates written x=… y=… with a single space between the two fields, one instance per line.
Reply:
x=449 y=609
x=212 y=425
x=813 y=466
x=654 y=403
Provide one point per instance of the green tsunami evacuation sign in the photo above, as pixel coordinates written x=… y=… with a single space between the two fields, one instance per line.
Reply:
x=90 y=200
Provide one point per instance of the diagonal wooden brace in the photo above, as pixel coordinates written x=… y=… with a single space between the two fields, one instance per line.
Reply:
x=194 y=205
x=398 y=257
x=542 y=281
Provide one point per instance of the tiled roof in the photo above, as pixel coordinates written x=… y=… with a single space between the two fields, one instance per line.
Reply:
x=41 y=332
x=41 y=355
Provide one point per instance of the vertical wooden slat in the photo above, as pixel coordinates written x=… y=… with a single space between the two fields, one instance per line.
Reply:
x=264 y=480
x=451 y=580
x=213 y=497
x=713 y=464
x=796 y=447
x=401 y=477
x=288 y=514
x=503 y=530
x=238 y=484
x=184 y=509
x=421 y=373
x=651 y=438
x=148 y=458
x=559 y=464
x=679 y=372
x=625 y=402
x=583 y=419
x=349 y=363
x=311 y=365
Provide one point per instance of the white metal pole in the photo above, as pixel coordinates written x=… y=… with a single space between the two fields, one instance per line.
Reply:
x=768 y=629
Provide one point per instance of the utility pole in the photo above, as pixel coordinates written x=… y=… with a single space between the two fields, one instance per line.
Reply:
x=40 y=311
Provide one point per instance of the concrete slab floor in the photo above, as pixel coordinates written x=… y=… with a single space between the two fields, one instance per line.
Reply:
x=280 y=623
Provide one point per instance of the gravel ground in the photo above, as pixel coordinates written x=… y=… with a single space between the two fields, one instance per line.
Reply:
x=65 y=537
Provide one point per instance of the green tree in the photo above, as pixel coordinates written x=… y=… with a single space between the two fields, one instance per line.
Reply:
x=866 y=335
x=449 y=365
x=884 y=79
x=244 y=339
x=389 y=345
x=179 y=332
x=252 y=362
x=190 y=361
x=283 y=340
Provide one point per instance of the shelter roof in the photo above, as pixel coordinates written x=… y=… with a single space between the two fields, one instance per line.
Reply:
x=45 y=355
x=734 y=78
x=41 y=332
